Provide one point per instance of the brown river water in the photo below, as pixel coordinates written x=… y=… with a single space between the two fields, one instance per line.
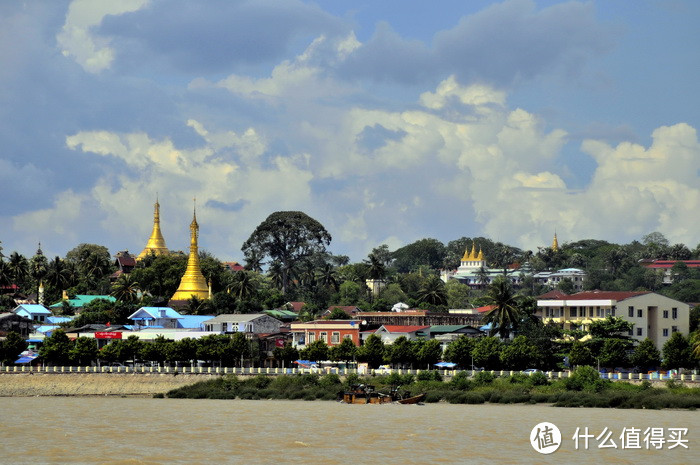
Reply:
x=116 y=430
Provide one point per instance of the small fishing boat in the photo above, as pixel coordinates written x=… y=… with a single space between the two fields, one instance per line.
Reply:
x=366 y=394
x=412 y=400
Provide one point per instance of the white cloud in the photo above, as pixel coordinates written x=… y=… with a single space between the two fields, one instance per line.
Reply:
x=76 y=38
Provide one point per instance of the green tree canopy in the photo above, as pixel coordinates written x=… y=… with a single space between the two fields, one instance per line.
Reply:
x=372 y=351
x=287 y=237
x=677 y=352
x=459 y=351
x=646 y=356
x=12 y=347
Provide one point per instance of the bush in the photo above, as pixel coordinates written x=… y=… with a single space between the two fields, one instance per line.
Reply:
x=585 y=378
x=331 y=380
x=461 y=382
x=430 y=375
x=484 y=378
x=259 y=382
x=538 y=379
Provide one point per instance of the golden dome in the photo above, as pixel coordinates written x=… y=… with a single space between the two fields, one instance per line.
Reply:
x=192 y=282
x=156 y=243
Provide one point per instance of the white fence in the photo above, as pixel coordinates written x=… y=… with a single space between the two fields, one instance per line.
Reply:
x=251 y=371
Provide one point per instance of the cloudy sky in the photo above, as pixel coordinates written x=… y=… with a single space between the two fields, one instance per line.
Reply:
x=386 y=121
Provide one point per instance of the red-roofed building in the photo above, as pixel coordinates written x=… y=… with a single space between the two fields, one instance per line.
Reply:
x=389 y=333
x=233 y=266
x=350 y=310
x=293 y=306
x=653 y=315
x=665 y=266
x=485 y=309
x=331 y=331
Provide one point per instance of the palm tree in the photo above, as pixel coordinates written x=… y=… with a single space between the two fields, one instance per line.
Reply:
x=507 y=313
x=433 y=291
x=126 y=289
x=377 y=270
x=328 y=276
x=58 y=274
x=482 y=277
x=243 y=286
x=5 y=276
x=19 y=268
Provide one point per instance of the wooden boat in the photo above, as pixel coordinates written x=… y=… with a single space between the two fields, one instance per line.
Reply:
x=366 y=394
x=412 y=400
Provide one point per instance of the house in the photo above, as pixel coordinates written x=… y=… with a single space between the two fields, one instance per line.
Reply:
x=12 y=322
x=653 y=315
x=552 y=279
x=331 y=331
x=124 y=262
x=390 y=333
x=79 y=301
x=282 y=315
x=665 y=267
x=162 y=317
x=37 y=313
x=195 y=322
x=293 y=306
x=417 y=317
x=350 y=310
x=233 y=266
x=255 y=323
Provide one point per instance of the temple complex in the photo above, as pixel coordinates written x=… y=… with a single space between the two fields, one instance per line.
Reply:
x=192 y=282
x=156 y=243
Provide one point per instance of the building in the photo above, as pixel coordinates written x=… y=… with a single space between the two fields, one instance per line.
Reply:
x=35 y=312
x=349 y=310
x=124 y=262
x=161 y=317
x=193 y=283
x=156 y=243
x=12 y=322
x=552 y=279
x=474 y=272
x=332 y=332
x=665 y=267
x=417 y=318
x=255 y=323
x=390 y=333
x=79 y=301
x=653 y=315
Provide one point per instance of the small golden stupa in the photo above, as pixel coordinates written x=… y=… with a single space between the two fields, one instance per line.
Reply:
x=192 y=282
x=555 y=243
x=156 y=243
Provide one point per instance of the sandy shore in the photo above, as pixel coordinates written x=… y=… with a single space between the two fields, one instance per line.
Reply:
x=92 y=384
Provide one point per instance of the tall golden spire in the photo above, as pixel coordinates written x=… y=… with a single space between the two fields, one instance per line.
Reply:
x=156 y=243
x=555 y=243
x=193 y=282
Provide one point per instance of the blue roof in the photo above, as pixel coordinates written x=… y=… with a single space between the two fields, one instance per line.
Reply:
x=192 y=321
x=58 y=319
x=45 y=328
x=34 y=309
x=155 y=312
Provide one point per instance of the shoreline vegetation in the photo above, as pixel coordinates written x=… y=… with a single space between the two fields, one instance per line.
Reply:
x=584 y=388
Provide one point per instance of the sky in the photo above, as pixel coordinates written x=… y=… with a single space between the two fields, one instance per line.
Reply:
x=387 y=122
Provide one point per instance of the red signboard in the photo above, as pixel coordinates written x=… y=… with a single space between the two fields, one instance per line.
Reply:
x=279 y=342
x=108 y=335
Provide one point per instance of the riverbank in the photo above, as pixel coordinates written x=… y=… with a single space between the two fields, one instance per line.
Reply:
x=93 y=384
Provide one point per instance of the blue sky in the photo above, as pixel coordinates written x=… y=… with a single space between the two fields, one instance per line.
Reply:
x=386 y=121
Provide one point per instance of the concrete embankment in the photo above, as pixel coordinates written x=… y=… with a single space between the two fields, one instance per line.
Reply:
x=92 y=384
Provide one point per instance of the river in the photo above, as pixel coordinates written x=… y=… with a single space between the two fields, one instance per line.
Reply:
x=116 y=430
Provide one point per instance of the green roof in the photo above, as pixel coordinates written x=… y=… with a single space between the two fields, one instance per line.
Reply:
x=446 y=328
x=282 y=314
x=81 y=300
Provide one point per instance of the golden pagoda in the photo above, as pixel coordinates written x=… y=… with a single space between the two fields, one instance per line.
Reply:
x=555 y=243
x=156 y=243
x=192 y=282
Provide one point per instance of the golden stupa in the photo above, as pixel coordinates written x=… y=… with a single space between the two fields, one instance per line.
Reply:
x=192 y=282
x=555 y=243
x=156 y=243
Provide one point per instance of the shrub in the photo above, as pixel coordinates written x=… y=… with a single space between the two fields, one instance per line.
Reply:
x=483 y=378
x=429 y=375
x=331 y=380
x=259 y=382
x=538 y=379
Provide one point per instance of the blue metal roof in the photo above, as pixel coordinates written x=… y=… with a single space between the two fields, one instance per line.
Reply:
x=58 y=319
x=34 y=309
x=154 y=312
x=192 y=321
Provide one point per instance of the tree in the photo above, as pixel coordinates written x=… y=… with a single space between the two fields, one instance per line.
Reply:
x=18 y=267
x=56 y=348
x=317 y=350
x=646 y=355
x=337 y=313
x=126 y=289
x=287 y=237
x=93 y=263
x=580 y=355
x=433 y=291
x=507 y=314
x=84 y=351
x=429 y=352
x=614 y=353
x=520 y=354
x=243 y=286
x=286 y=354
x=372 y=351
x=677 y=352
x=457 y=294
x=459 y=351
x=424 y=252
x=11 y=348
x=401 y=352
x=343 y=352
x=487 y=353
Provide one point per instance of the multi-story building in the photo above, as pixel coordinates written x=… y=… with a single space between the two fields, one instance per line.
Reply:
x=332 y=332
x=552 y=279
x=653 y=315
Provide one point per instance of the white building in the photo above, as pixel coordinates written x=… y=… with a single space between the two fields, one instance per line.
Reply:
x=653 y=315
x=552 y=279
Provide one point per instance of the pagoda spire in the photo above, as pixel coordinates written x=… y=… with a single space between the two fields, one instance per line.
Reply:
x=555 y=243
x=193 y=282
x=156 y=243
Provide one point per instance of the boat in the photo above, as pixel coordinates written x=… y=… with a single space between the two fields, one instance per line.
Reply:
x=366 y=394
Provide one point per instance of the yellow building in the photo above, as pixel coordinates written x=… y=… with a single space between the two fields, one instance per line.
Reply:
x=156 y=243
x=193 y=283
x=653 y=315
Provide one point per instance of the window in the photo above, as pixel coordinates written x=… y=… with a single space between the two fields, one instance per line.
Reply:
x=674 y=329
x=312 y=337
x=613 y=310
x=665 y=313
x=630 y=333
x=639 y=331
x=639 y=313
x=324 y=337
x=674 y=313
x=630 y=312
x=572 y=312
x=665 y=332
x=597 y=312
x=335 y=337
